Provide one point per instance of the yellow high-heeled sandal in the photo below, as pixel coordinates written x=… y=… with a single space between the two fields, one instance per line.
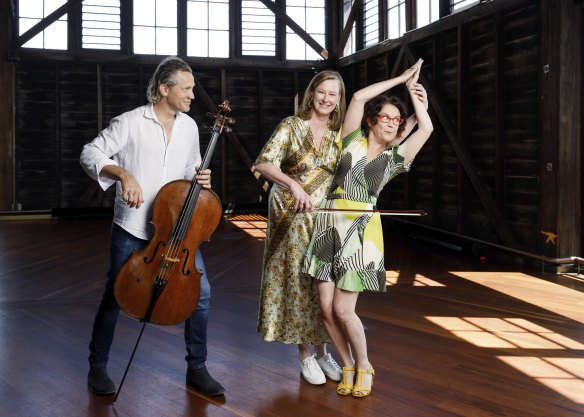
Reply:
x=345 y=387
x=359 y=390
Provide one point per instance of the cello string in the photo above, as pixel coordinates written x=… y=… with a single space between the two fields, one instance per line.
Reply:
x=189 y=208
x=180 y=228
x=184 y=223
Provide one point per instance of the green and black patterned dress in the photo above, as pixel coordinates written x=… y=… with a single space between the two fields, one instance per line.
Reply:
x=348 y=248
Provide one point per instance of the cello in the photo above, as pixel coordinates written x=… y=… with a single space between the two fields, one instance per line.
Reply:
x=160 y=283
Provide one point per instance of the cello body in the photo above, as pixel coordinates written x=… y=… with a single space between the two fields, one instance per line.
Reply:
x=168 y=258
x=160 y=284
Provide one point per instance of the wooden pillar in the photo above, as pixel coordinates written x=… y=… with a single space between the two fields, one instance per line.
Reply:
x=561 y=128
x=7 y=104
x=463 y=121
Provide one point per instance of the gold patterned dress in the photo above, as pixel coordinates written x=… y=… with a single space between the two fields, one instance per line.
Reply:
x=289 y=311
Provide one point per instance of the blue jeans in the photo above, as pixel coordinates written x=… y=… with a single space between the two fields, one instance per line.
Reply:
x=122 y=244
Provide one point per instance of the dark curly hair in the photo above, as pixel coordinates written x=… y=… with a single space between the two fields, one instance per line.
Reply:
x=373 y=107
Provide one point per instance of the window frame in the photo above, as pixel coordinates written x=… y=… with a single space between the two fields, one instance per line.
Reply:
x=75 y=32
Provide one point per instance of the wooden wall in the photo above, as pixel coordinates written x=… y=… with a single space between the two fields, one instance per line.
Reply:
x=7 y=134
x=504 y=164
x=500 y=166
x=62 y=106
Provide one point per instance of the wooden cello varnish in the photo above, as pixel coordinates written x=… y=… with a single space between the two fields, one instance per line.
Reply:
x=159 y=284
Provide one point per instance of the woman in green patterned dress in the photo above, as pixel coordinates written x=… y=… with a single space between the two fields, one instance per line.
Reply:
x=299 y=158
x=345 y=255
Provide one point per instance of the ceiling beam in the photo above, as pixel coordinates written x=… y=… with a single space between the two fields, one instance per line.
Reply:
x=281 y=14
x=348 y=28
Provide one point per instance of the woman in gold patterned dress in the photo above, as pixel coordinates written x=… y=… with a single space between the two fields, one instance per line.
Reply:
x=299 y=158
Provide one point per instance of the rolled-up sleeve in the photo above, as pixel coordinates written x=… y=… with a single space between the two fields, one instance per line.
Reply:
x=103 y=151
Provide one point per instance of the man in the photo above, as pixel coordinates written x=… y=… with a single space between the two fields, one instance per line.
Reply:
x=141 y=151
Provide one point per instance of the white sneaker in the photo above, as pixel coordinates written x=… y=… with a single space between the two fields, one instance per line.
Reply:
x=311 y=371
x=330 y=368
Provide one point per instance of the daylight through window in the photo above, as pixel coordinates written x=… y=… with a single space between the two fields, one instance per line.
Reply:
x=309 y=15
x=370 y=23
x=101 y=24
x=396 y=18
x=427 y=11
x=155 y=28
x=350 y=46
x=31 y=12
x=258 y=29
x=208 y=28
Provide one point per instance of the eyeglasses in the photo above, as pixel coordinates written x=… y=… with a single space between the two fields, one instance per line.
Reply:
x=386 y=118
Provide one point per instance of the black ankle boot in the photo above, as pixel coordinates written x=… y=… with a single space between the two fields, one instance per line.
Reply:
x=99 y=381
x=200 y=380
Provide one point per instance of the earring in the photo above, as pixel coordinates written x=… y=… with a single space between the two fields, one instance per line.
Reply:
x=337 y=108
x=310 y=102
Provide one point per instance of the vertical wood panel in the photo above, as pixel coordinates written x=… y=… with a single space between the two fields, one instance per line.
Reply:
x=436 y=139
x=78 y=106
x=7 y=174
x=36 y=126
x=548 y=67
x=462 y=119
x=569 y=219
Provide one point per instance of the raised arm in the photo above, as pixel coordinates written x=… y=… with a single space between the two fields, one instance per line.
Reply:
x=425 y=127
x=412 y=121
x=356 y=107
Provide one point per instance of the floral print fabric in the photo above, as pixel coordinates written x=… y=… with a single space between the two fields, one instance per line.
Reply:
x=289 y=310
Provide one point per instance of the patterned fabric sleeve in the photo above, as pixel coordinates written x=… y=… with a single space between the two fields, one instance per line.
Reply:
x=354 y=135
x=398 y=154
x=275 y=148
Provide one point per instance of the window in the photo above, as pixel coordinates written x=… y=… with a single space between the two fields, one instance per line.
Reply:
x=310 y=16
x=370 y=23
x=31 y=12
x=258 y=29
x=208 y=28
x=101 y=24
x=461 y=4
x=396 y=18
x=427 y=11
x=155 y=28
x=350 y=46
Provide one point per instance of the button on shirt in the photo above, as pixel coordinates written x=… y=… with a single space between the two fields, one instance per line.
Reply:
x=136 y=141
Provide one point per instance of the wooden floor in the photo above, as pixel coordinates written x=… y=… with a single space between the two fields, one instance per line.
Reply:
x=450 y=337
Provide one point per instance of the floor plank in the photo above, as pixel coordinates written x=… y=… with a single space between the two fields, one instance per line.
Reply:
x=450 y=337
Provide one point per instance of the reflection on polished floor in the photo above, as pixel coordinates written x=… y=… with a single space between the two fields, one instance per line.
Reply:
x=450 y=337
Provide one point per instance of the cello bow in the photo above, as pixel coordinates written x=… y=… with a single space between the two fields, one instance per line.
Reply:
x=380 y=212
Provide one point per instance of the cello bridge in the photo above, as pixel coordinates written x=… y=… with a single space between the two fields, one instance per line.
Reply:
x=167 y=261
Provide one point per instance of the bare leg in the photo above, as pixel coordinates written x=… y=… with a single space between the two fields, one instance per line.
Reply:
x=320 y=350
x=303 y=351
x=344 y=311
x=350 y=323
x=326 y=293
